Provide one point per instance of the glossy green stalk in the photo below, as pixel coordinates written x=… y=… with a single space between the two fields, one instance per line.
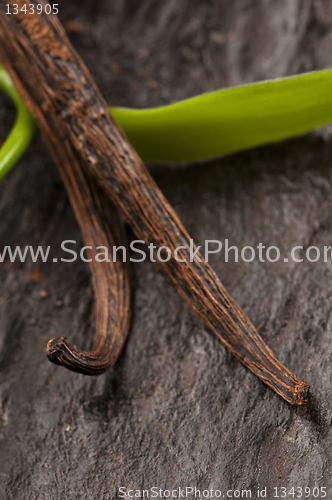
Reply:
x=22 y=132
x=209 y=125
x=230 y=120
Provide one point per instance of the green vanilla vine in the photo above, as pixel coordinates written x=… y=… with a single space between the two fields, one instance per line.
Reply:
x=22 y=132
x=205 y=126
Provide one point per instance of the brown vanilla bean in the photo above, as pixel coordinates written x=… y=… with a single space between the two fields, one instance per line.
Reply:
x=101 y=227
x=72 y=115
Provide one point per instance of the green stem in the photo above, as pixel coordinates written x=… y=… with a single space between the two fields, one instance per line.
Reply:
x=205 y=126
x=22 y=132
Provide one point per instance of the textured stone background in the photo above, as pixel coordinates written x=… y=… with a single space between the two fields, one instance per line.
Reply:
x=178 y=409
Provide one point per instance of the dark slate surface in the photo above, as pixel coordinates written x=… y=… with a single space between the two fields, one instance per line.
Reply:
x=178 y=409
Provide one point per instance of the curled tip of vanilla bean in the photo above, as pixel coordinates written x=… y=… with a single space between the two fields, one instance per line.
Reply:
x=61 y=352
x=302 y=393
